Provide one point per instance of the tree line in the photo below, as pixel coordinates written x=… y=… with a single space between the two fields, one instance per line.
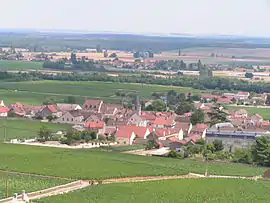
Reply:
x=214 y=83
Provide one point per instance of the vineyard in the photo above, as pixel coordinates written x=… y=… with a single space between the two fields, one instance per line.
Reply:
x=170 y=191
x=93 y=164
x=17 y=183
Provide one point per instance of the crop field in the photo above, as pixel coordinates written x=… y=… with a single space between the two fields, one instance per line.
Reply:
x=88 y=164
x=19 y=65
x=17 y=183
x=25 y=129
x=37 y=92
x=171 y=191
x=264 y=112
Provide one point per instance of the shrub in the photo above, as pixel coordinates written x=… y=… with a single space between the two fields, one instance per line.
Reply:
x=266 y=174
x=242 y=156
x=176 y=155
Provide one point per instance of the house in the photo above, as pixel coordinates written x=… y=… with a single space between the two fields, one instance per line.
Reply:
x=137 y=120
x=164 y=134
x=98 y=127
x=17 y=109
x=93 y=105
x=208 y=97
x=242 y=95
x=2 y=103
x=4 y=111
x=73 y=117
x=125 y=137
x=128 y=134
x=199 y=129
x=224 y=100
x=256 y=118
x=163 y=123
x=32 y=111
x=49 y=110
x=242 y=113
x=68 y=107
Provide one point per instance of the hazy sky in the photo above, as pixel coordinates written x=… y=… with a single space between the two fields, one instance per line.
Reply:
x=241 y=17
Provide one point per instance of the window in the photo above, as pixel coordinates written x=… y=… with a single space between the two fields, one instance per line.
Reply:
x=72 y=119
x=90 y=106
x=63 y=119
x=67 y=119
x=95 y=107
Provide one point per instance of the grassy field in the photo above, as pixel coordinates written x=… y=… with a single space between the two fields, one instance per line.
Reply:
x=26 y=129
x=19 y=65
x=171 y=191
x=264 y=112
x=17 y=183
x=88 y=164
x=37 y=92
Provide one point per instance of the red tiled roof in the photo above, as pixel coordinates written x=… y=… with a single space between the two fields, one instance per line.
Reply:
x=163 y=121
x=148 y=115
x=182 y=125
x=92 y=103
x=243 y=93
x=123 y=133
x=224 y=100
x=209 y=96
x=96 y=125
x=258 y=116
x=52 y=108
x=4 y=109
x=139 y=131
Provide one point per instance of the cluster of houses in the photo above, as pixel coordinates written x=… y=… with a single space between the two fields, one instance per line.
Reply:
x=134 y=126
x=128 y=126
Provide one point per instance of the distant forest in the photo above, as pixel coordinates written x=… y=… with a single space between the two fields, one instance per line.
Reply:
x=42 y=42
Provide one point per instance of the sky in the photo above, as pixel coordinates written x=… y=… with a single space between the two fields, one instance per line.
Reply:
x=198 y=17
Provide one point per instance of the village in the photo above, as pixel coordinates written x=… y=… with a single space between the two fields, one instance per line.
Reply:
x=115 y=124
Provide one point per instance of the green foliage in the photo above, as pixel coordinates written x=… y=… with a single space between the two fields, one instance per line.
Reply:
x=242 y=156
x=218 y=145
x=176 y=155
x=217 y=115
x=44 y=134
x=157 y=105
x=211 y=147
x=197 y=117
x=184 y=107
x=261 y=151
x=266 y=174
x=249 y=75
x=200 y=142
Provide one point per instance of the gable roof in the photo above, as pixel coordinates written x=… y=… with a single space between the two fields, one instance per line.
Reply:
x=243 y=93
x=163 y=121
x=67 y=107
x=92 y=103
x=4 y=109
x=75 y=113
x=124 y=133
x=52 y=108
x=97 y=125
x=139 y=131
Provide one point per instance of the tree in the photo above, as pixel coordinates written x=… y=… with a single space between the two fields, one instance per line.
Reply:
x=157 y=105
x=211 y=147
x=73 y=58
x=200 y=142
x=98 y=48
x=268 y=100
x=242 y=156
x=197 y=117
x=184 y=107
x=218 y=145
x=113 y=55
x=261 y=151
x=217 y=115
x=44 y=133
x=152 y=142
x=249 y=75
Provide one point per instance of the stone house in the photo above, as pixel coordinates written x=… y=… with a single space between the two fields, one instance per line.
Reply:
x=72 y=117
x=93 y=105
x=4 y=111
x=68 y=107
x=49 y=110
